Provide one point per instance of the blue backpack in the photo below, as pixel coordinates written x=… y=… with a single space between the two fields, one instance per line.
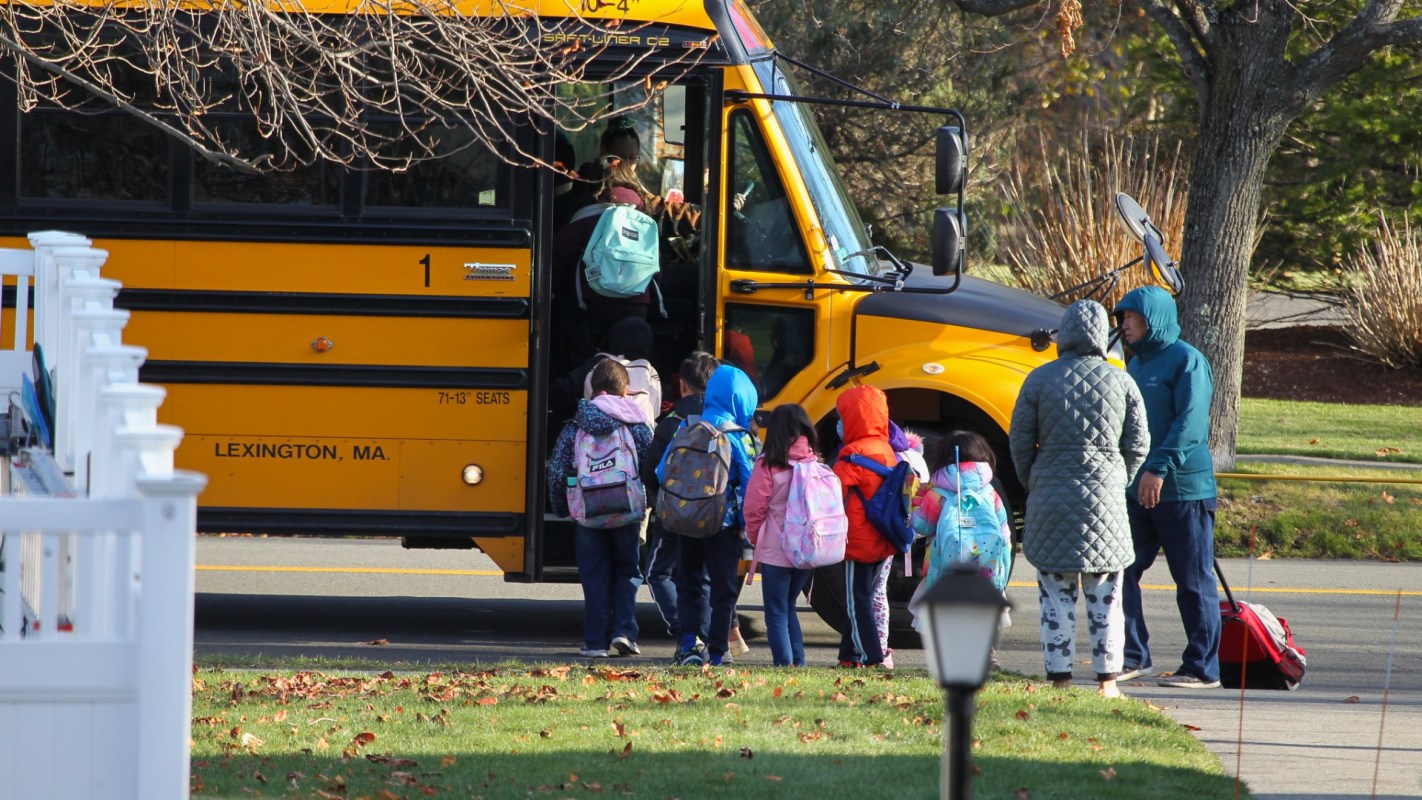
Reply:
x=623 y=254
x=890 y=508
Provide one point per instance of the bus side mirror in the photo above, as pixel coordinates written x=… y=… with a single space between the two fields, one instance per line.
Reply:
x=948 y=240
x=950 y=159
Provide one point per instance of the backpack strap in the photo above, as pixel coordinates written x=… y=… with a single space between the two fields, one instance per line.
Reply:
x=589 y=210
x=870 y=464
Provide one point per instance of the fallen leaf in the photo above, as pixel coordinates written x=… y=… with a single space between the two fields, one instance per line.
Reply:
x=379 y=642
x=1267 y=555
x=1022 y=794
x=746 y=752
x=1386 y=498
x=1187 y=726
x=620 y=729
x=777 y=691
x=1313 y=441
x=626 y=750
x=1064 y=736
x=1023 y=714
x=1108 y=774
x=774 y=778
x=363 y=739
x=487 y=701
x=1352 y=698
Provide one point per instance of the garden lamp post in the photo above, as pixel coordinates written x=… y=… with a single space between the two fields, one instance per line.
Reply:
x=961 y=611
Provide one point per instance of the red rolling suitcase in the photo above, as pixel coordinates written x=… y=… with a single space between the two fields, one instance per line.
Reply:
x=1257 y=649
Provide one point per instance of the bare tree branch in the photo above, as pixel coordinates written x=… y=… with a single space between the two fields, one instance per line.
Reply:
x=1373 y=29
x=1192 y=58
x=270 y=86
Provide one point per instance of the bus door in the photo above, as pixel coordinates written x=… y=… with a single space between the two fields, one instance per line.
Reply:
x=777 y=331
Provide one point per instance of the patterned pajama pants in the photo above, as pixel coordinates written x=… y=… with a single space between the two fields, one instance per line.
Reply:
x=881 y=604
x=1105 y=621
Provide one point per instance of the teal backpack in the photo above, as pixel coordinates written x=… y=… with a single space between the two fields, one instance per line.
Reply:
x=969 y=532
x=623 y=254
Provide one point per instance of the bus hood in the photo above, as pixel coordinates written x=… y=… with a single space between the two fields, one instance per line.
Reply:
x=977 y=303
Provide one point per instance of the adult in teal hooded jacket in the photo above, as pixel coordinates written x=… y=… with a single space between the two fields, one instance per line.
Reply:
x=1171 y=502
x=730 y=402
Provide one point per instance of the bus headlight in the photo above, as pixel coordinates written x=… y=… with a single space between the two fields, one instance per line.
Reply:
x=473 y=474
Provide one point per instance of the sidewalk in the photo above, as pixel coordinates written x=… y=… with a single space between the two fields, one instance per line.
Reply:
x=1320 y=742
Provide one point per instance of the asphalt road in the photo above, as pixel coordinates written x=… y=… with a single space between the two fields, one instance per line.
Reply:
x=1353 y=730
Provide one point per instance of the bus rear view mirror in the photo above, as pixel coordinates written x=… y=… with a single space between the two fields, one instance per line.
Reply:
x=950 y=160
x=948 y=242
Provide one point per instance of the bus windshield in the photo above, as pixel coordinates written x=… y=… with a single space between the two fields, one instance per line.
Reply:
x=844 y=231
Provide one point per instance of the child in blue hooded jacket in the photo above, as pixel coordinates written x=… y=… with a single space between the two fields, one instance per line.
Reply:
x=730 y=402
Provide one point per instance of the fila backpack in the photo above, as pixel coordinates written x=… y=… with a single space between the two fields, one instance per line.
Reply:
x=605 y=490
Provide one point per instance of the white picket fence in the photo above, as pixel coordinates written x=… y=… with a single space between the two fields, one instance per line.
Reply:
x=96 y=552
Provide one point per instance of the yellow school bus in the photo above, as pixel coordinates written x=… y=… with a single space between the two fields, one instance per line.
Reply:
x=369 y=352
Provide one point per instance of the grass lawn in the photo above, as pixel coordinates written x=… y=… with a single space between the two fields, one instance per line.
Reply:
x=1330 y=430
x=1312 y=519
x=560 y=731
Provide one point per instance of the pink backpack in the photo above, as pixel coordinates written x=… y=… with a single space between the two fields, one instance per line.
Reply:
x=816 y=528
x=605 y=491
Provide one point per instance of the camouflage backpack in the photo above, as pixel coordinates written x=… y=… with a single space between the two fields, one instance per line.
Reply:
x=696 y=480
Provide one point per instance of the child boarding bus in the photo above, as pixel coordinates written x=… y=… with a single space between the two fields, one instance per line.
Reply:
x=370 y=352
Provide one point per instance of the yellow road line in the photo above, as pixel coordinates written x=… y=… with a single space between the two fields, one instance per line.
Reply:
x=354 y=570
x=493 y=573
x=1161 y=587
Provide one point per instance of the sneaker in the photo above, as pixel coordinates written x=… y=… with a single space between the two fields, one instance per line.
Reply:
x=625 y=647
x=888 y=662
x=1131 y=671
x=1184 y=680
x=723 y=660
x=690 y=657
x=592 y=652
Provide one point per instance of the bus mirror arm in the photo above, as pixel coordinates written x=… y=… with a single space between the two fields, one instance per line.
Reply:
x=850 y=374
x=748 y=286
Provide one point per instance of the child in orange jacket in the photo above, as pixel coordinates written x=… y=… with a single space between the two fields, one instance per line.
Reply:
x=864 y=412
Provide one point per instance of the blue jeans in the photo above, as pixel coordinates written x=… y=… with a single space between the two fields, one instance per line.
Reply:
x=663 y=555
x=610 y=571
x=781 y=587
x=860 y=641
x=1185 y=530
x=707 y=584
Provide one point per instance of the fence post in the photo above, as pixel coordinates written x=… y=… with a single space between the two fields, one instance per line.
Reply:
x=165 y=658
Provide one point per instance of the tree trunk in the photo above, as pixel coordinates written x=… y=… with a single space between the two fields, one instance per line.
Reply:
x=1242 y=119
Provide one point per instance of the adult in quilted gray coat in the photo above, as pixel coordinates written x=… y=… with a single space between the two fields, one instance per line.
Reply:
x=1078 y=436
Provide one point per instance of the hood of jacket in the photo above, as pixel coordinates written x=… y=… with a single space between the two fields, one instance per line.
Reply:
x=629 y=337
x=800 y=450
x=730 y=397
x=602 y=414
x=864 y=410
x=1158 y=308
x=898 y=439
x=1084 y=330
x=971 y=475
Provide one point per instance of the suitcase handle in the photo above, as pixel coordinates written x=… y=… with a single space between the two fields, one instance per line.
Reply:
x=1219 y=573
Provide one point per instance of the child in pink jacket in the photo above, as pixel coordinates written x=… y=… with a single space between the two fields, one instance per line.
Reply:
x=789 y=438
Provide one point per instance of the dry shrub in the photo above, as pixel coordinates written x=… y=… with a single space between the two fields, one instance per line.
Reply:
x=1384 y=297
x=1061 y=229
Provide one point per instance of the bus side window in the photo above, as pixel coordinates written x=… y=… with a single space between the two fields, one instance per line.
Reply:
x=771 y=344
x=761 y=229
